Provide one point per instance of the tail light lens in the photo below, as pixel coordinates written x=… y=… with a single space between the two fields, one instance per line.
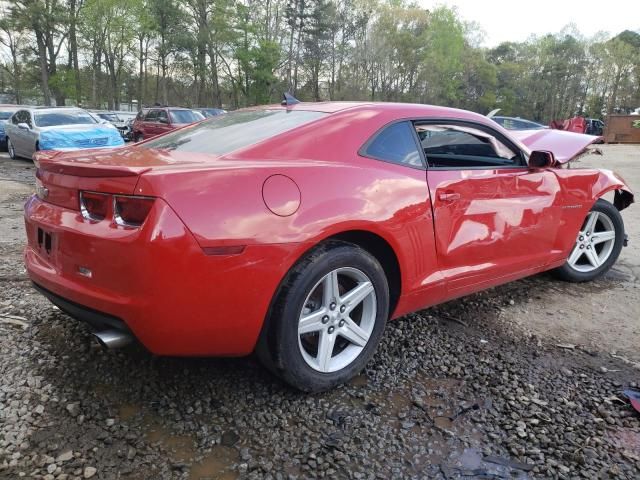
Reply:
x=94 y=206
x=131 y=211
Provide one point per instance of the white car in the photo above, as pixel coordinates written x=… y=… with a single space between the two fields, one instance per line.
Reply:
x=57 y=128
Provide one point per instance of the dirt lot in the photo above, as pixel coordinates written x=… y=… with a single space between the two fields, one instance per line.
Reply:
x=476 y=388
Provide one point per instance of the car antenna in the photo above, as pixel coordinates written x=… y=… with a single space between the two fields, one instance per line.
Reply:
x=288 y=99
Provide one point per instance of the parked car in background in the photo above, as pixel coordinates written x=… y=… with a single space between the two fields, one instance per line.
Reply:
x=297 y=231
x=594 y=126
x=120 y=120
x=57 y=128
x=151 y=122
x=5 y=113
x=210 y=112
x=516 y=123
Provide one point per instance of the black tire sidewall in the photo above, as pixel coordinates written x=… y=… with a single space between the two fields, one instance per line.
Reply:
x=566 y=272
x=288 y=360
x=11 y=149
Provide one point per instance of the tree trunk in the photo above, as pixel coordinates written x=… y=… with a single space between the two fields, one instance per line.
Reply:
x=44 y=71
x=73 y=47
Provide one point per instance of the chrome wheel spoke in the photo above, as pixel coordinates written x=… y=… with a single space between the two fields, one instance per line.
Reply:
x=331 y=288
x=593 y=258
x=352 y=332
x=354 y=297
x=325 y=350
x=575 y=255
x=599 y=237
x=311 y=322
x=590 y=224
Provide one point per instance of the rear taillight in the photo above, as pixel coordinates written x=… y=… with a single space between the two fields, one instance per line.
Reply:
x=94 y=206
x=131 y=211
x=127 y=210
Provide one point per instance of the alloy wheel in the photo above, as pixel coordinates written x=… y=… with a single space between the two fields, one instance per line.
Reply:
x=337 y=319
x=594 y=243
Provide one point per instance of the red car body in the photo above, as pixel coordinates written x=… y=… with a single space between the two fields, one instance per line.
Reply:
x=199 y=275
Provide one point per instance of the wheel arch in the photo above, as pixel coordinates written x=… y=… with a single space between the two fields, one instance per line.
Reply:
x=369 y=241
x=383 y=252
x=610 y=181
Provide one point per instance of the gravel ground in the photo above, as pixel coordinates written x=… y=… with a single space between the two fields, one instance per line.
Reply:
x=476 y=388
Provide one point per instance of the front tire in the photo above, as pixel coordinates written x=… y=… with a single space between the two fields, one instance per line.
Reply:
x=327 y=318
x=597 y=246
x=11 y=149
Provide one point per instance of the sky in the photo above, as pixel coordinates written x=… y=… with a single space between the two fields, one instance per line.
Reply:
x=516 y=20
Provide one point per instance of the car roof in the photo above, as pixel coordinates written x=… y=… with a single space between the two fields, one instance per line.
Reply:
x=399 y=110
x=55 y=109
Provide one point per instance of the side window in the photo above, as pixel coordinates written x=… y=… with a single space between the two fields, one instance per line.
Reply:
x=27 y=119
x=18 y=117
x=162 y=116
x=458 y=146
x=152 y=116
x=395 y=144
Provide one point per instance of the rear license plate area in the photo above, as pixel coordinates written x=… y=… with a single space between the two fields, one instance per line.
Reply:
x=45 y=242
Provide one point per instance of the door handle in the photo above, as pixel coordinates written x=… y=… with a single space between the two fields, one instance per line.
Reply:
x=448 y=196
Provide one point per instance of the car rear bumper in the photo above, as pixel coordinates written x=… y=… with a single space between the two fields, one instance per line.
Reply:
x=155 y=279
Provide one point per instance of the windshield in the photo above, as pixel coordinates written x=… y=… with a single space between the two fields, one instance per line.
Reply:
x=184 y=116
x=53 y=119
x=224 y=133
x=111 y=117
x=5 y=115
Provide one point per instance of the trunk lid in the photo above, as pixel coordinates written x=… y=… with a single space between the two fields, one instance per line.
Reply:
x=565 y=146
x=62 y=175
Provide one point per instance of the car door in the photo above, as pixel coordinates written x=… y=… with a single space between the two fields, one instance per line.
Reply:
x=17 y=135
x=149 y=126
x=495 y=219
x=163 y=122
x=30 y=136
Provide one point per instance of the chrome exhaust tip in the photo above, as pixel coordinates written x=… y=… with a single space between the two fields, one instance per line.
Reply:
x=113 y=338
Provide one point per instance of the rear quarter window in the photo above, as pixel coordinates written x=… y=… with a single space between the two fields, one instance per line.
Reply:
x=222 y=134
x=395 y=144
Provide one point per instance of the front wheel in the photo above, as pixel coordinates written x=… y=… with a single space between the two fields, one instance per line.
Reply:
x=11 y=149
x=597 y=246
x=327 y=319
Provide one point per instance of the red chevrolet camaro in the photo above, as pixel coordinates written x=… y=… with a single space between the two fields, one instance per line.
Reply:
x=297 y=231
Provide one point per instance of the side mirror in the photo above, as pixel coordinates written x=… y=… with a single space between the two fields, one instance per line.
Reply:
x=163 y=120
x=24 y=126
x=541 y=159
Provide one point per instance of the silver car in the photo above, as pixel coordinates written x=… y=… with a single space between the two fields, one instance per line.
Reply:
x=59 y=128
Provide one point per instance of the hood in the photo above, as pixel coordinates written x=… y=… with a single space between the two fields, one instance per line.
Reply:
x=83 y=127
x=79 y=136
x=565 y=146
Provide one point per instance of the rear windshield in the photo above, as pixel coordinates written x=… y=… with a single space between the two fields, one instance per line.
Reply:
x=52 y=119
x=184 y=116
x=225 y=133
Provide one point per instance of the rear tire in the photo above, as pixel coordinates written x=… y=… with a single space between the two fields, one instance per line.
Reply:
x=597 y=246
x=327 y=318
